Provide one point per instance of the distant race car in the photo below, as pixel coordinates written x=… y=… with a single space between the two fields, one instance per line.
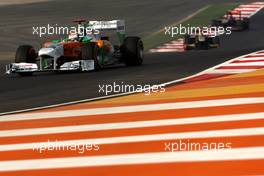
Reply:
x=201 y=41
x=234 y=20
x=80 y=52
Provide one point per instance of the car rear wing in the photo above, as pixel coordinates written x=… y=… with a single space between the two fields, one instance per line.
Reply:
x=117 y=25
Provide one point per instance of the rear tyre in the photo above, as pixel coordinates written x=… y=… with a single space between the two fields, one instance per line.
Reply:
x=246 y=23
x=26 y=54
x=215 y=42
x=90 y=52
x=189 y=41
x=132 y=51
x=216 y=23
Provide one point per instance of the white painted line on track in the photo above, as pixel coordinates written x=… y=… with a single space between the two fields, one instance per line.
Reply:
x=126 y=125
x=134 y=108
x=246 y=64
x=130 y=159
x=238 y=132
x=230 y=71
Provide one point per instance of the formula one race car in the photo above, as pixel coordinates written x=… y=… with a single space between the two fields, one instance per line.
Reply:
x=201 y=41
x=234 y=20
x=81 y=51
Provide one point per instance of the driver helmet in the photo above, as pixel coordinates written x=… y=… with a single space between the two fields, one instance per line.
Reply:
x=73 y=36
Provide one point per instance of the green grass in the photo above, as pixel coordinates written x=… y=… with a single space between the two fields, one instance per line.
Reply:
x=203 y=18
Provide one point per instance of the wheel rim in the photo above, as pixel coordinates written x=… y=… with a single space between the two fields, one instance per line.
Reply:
x=140 y=53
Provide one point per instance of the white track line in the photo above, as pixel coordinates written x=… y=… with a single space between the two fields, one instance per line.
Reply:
x=130 y=159
x=177 y=42
x=261 y=3
x=171 y=47
x=243 y=15
x=126 y=125
x=173 y=44
x=258 y=53
x=230 y=71
x=246 y=64
x=246 y=13
x=166 y=50
x=240 y=132
x=254 y=6
x=135 y=108
x=248 y=9
x=251 y=58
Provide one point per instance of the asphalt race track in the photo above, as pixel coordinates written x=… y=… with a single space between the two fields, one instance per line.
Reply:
x=46 y=89
x=142 y=17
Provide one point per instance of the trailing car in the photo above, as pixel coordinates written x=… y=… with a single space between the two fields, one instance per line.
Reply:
x=233 y=19
x=78 y=52
x=201 y=41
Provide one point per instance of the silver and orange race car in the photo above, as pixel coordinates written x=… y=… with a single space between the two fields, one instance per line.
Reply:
x=81 y=52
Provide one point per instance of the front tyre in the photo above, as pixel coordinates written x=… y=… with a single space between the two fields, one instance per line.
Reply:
x=26 y=54
x=90 y=52
x=246 y=23
x=132 y=51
